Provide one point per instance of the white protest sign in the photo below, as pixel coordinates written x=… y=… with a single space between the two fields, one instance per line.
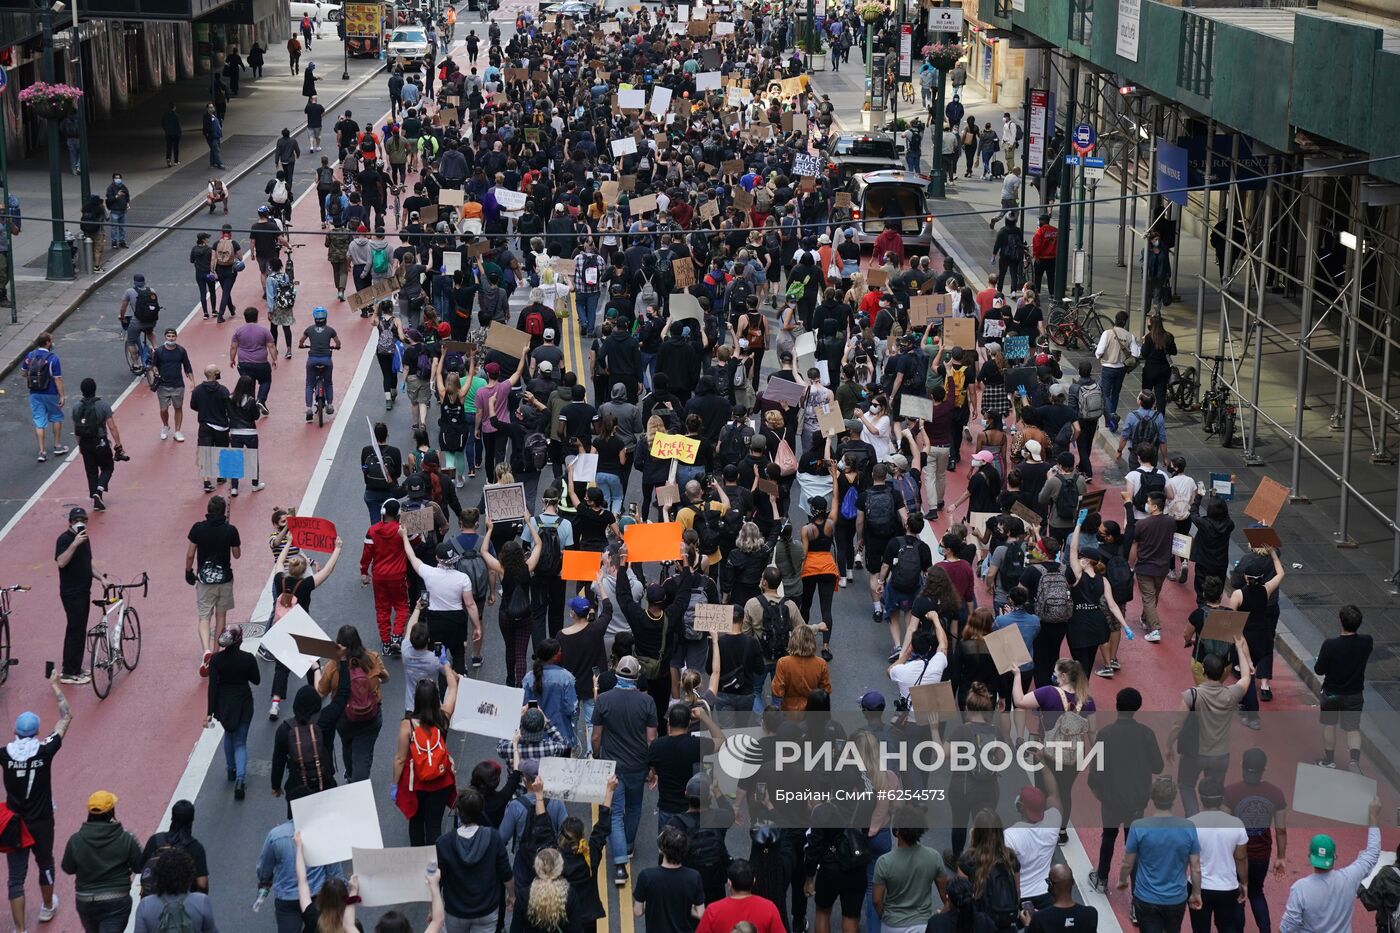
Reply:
x=585 y=468
x=1333 y=794
x=279 y=643
x=584 y=780
x=707 y=81
x=335 y=822
x=632 y=99
x=510 y=200
x=724 y=29
x=624 y=146
x=487 y=709
x=393 y=876
x=805 y=345
x=660 y=101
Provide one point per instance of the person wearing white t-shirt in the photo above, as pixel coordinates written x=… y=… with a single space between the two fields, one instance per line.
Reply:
x=921 y=660
x=1034 y=839
x=450 y=602
x=1224 y=859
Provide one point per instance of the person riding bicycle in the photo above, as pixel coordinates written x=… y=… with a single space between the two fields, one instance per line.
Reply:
x=138 y=314
x=321 y=339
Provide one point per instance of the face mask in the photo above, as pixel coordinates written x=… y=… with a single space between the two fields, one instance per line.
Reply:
x=117 y=180
x=79 y=527
x=170 y=343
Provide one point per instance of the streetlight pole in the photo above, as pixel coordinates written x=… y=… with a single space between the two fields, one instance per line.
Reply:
x=77 y=49
x=344 y=46
x=811 y=31
x=5 y=216
x=60 y=260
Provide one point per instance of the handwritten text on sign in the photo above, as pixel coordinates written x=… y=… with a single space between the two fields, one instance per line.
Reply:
x=312 y=534
x=675 y=447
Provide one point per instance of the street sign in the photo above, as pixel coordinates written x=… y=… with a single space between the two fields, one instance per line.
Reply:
x=1071 y=160
x=945 y=19
x=1093 y=168
x=1084 y=138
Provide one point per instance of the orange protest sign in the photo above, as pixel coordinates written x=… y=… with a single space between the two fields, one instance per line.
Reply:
x=581 y=565
x=675 y=447
x=652 y=542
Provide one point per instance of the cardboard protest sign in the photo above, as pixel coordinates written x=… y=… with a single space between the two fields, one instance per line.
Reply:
x=742 y=199
x=609 y=190
x=314 y=647
x=1027 y=515
x=581 y=566
x=843 y=199
x=1008 y=649
x=683 y=269
x=419 y=521
x=1333 y=794
x=642 y=204
x=698 y=28
x=1093 y=501
x=457 y=346
x=685 y=306
x=959 y=332
x=675 y=447
x=577 y=780
x=668 y=495
x=769 y=488
x=928 y=700
x=450 y=197
x=428 y=214
x=393 y=876
x=484 y=708
x=1268 y=500
x=280 y=643
x=830 y=421
x=478 y=248
x=1224 y=625
x=337 y=821
x=732 y=166
x=877 y=276
x=924 y=309
x=510 y=200
x=714 y=617
x=709 y=210
x=1263 y=537
x=648 y=543
x=505 y=502
x=312 y=534
x=914 y=406
x=784 y=390
x=507 y=339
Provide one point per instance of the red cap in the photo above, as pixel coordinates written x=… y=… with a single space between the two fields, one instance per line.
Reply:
x=1033 y=803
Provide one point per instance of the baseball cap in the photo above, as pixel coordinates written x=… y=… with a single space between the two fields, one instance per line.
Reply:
x=656 y=594
x=447 y=553
x=851 y=425
x=698 y=786
x=758 y=442
x=77 y=513
x=998 y=301
x=1033 y=803
x=27 y=724
x=1058 y=391
x=1252 y=764
x=532 y=723
x=629 y=667
x=872 y=701
x=580 y=606
x=417 y=487
x=530 y=767
x=546 y=366
x=1322 y=851
x=1033 y=452
x=982 y=456
x=899 y=461
x=104 y=801
x=138 y=280
x=493 y=369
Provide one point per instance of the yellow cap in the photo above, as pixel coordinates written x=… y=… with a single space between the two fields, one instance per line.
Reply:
x=102 y=801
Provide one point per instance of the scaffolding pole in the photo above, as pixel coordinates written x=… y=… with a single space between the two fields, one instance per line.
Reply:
x=1251 y=452
x=1353 y=312
x=1300 y=404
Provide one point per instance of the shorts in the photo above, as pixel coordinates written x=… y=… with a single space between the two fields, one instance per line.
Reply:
x=44 y=409
x=170 y=395
x=42 y=850
x=263 y=261
x=135 y=329
x=1343 y=707
x=833 y=883
x=213 y=597
x=420 y=391
x=895 y=601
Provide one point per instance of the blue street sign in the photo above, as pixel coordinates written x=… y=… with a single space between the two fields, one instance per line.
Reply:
x=1084 y=138
x=1071 y=160
x=1091 y=162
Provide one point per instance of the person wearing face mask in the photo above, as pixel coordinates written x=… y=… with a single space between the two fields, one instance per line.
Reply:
x=172 y=365
x=73 y=554
x=118 y=199
x=1157 y=272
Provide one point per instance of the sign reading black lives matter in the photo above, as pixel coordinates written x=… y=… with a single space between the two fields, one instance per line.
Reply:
x=505 y=502
x=806 y=164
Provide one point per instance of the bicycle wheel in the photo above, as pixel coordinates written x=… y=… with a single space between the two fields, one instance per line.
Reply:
x=1186 y=390
x=1094 y=326
x=1228 y=425
x=1056 y=328
x=321 y=412
x=4 y=648
x=100 y=651
x=1208 y=412
x=131 y=638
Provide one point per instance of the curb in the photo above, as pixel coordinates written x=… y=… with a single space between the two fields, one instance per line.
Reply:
x=174 y=218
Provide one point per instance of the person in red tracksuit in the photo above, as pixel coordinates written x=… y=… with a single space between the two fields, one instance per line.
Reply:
x=1043 y=247
x=383 y=563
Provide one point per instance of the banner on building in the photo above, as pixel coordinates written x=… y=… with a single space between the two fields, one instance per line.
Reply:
x=1129 y=17
x=1171 y=171
x=1038 y=130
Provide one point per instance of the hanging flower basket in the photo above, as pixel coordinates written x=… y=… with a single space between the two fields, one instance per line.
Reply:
x=871 y=10
x=51 y=101
x=943 y=57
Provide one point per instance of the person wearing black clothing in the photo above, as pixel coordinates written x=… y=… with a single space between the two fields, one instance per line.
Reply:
x=27 y=766
x=303 y=750
x=674 y=758
x=741 y=665
x=210 y=403
x=680 y=358
x=180 y=836
x=1063 y=915
x=232 y=672
x=381 y=476
x=654 y=636
x=1133 y=756
x=1341 y=663
x=170 y=126
x=73 y=554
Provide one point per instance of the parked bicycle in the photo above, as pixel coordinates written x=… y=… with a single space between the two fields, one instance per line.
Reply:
x=5 y=660
x=115 y=641
x=1219 y=413
x=1183 y=387
x=1076 y=324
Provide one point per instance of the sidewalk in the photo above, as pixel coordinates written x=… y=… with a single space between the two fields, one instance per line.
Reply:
x=132 y=143
x=1321 y=577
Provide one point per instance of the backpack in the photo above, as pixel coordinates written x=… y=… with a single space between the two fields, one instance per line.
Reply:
x=517 y=609
x=1067 y=499
x=335 y=210
x=173 y=916
x=473 y=565
x=777 y=628
x=1015 y=251
x=734 y=438
x=386 y=339
x=534 y=323
x=1071 y=726
x=738 y=293
x=646 y=298
x=980 y=772
x=1120 y=579
x=87 y=425
x=285 y=601
x=428 y=755
x=848 y=504
x=148 y=870
x=1090 y=402
x=796 y=290
x=957 y=385
x=379 y=260
x=1053 y=603
x=304 y=756
x=551 y=561
x=1144 y=430
x=881 y=516
x=147 y=306
x=279 y=192
x=284 y=293
x=852 y=849
x=363 y=704
x=1148 y=483
x=325 y=179
x=1001 y=898
x=590 y=270
x=224 y=253
x=698 y=597
x=536 y=451
x=709 y=525
x=39 y=377
x=908 y=566
x=1013 y=566
x=423 y=368
x=785 y=459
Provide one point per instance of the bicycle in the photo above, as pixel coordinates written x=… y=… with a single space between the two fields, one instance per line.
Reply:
x=5 y=660
x=1219 y=413
x=1183 y=387
x=318 y=398
x=1076 y=323
x=116 y=640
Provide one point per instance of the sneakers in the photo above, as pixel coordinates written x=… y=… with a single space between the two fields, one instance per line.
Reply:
x=240 y=790
x=309 y=415
x=42 y=457
x=1114 y=665
x=164 y=431
x=1105 y=672
x=1354 y=767
x=859 y=562
x=877 y=616
x=82 y=677
x=180 y=437
x=1153 y=636
x=1326 y=763
x=208 y=487
x=1096 y=883
x=895 y=653
x=620 y=876
x=60 y=450
x=330 y=409
x=476 y=662
x=1266 y=695
x=289 y=353
x=234 y=492
x=97 y=503
x=259 y=487
x=47 y=911
x=1252 y=722
x=204 y=664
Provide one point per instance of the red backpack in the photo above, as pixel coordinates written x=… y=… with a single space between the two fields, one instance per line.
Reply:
x=534 y=323
x=427 y=756
x=363 y=704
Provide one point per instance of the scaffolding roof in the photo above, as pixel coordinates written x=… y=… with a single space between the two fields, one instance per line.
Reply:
x=1279 y=23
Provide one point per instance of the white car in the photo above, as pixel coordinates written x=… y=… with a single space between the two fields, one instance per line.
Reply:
x=574 y=9
x=408 y=42
x=319 y=12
